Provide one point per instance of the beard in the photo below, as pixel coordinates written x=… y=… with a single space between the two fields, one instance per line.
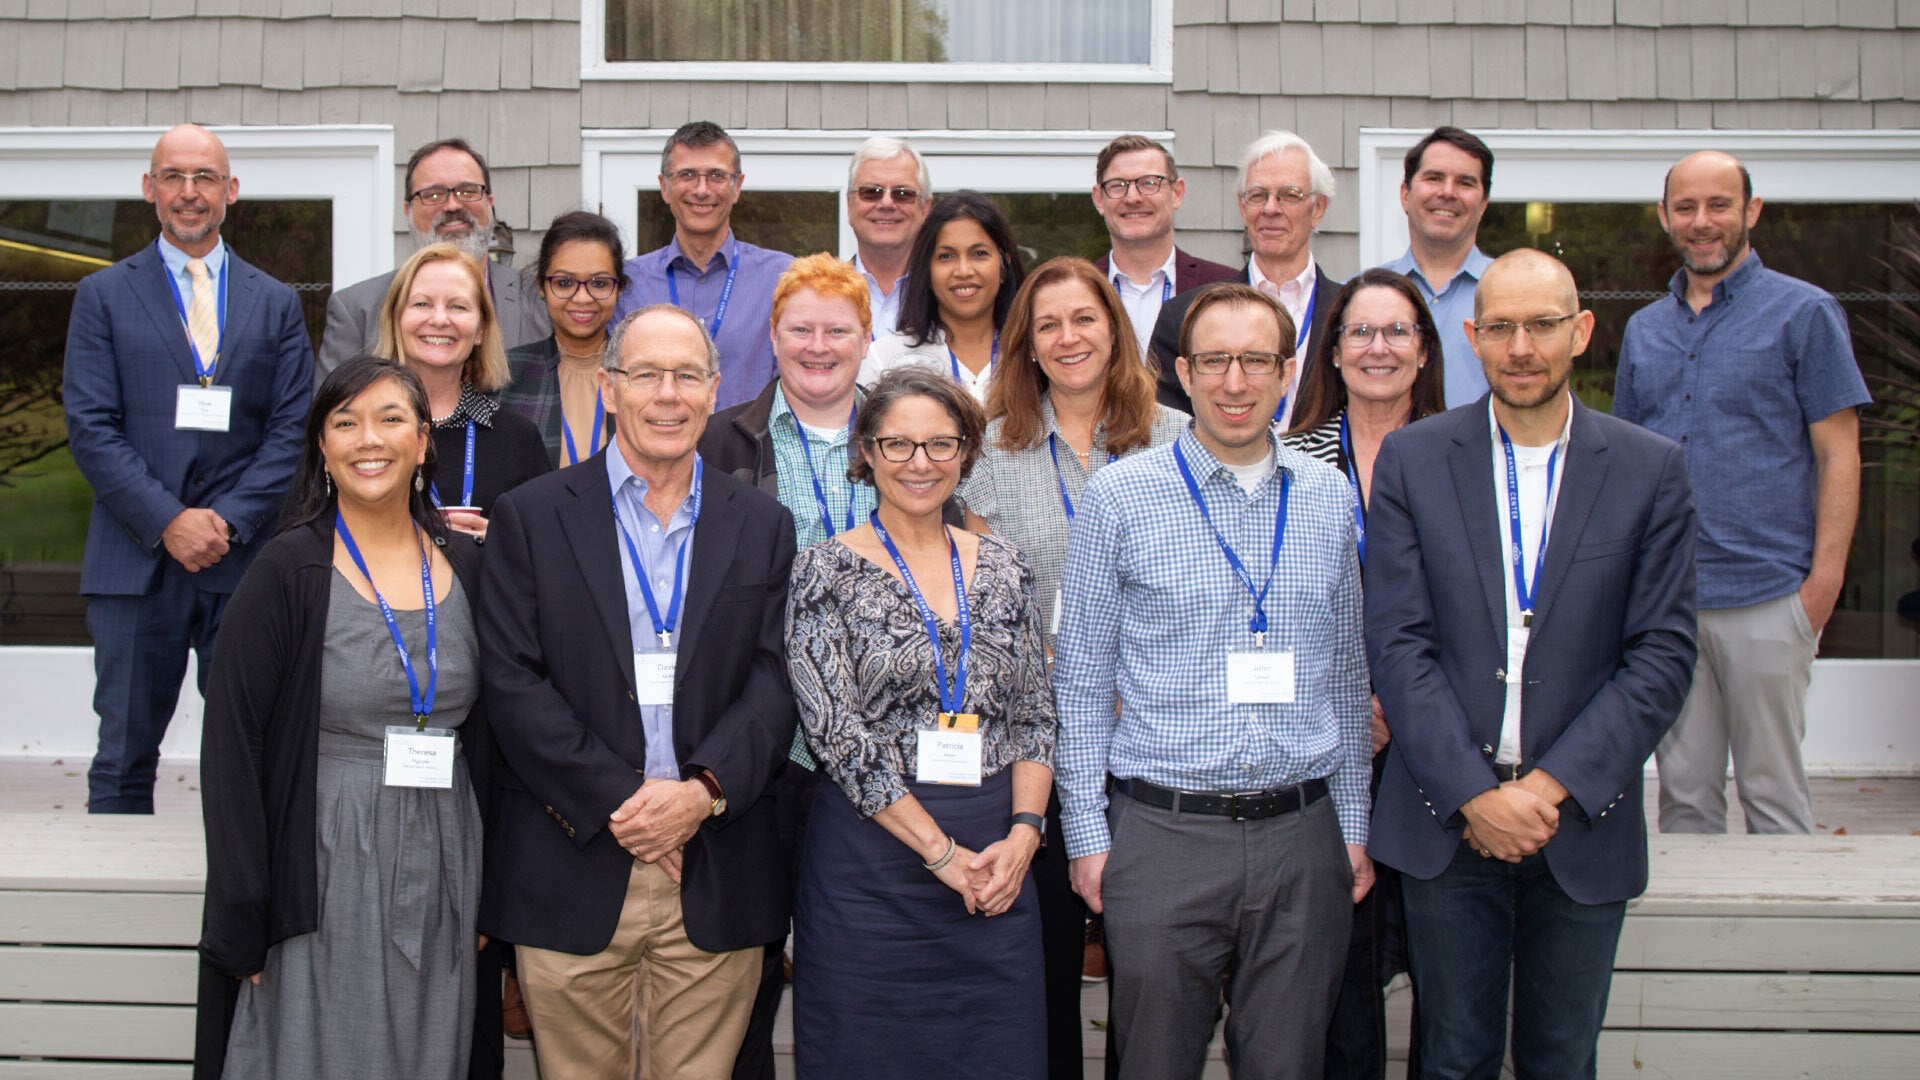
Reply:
x=216 y=214
x=1545 y=394
x=1730 y=252
x=473 y=243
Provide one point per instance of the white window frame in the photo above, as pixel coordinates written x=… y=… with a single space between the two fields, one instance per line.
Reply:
x=349 y=165
x=595 y=66
x=617 y=164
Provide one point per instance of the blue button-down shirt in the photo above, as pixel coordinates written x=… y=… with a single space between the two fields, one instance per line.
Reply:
x=829 y=463
x=746 y=346
x=1151 y=609
x=1736 y=386
x=657 y=542
x=1451 y=308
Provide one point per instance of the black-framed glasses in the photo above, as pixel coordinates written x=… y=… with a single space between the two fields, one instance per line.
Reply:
x=1399 y=335
x=649 y=379
x=873 y=193
x=174 y=179
x=899 y=449
x=1252 y=364
x=466 y=193
x=1116 y=187
x=687 y=178
x=1537 y=328
x=1288 y=197
x=600 y=286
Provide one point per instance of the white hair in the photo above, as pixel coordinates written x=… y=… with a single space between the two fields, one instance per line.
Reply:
x=882 y=148
x=1275 y=143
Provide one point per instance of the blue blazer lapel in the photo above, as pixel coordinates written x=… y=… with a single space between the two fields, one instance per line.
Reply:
x=147 y=272
x=1581 y=479
x=1471 y=462
x=587 y=522
x=243 y=304
x=715 y=540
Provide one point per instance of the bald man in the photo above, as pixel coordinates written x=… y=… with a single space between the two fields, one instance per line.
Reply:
x=1531 y=689
x=1753 y=373
x=188 y=373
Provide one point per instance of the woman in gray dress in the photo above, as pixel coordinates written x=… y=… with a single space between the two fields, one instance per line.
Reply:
x=343 y=830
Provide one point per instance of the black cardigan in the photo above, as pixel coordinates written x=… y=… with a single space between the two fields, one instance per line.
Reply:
x=258 y=757
x=505 y=455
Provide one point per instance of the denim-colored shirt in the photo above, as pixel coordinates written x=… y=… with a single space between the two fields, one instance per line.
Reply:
x=1736 y=385
x=657 y=542
x=1452 y=307
x=746 y=346
x=1152 y=609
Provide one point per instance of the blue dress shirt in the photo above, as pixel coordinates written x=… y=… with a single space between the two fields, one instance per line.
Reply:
x=657 y=542
x=1451 y=308
x=746 y=346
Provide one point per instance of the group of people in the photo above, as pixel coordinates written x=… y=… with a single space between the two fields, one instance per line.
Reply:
x=605 y=623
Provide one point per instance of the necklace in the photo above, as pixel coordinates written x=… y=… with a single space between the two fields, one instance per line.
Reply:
x=581 y=358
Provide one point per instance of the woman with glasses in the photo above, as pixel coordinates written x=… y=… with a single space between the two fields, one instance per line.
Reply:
x=917 y=665
x=961 y=277
x=440 y=322
x=1376 y=370
x=555 y=383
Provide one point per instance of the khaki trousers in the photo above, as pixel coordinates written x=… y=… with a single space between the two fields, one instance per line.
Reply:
x=691 y=1005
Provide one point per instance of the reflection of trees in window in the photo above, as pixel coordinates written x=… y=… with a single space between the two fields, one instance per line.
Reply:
x=748 y=30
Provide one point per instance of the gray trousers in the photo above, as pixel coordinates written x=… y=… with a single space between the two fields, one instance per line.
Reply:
x=1749 y=698
x=1198 y=907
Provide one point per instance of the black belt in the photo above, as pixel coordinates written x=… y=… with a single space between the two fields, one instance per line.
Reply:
x=1240 y=806
x=1504 y=773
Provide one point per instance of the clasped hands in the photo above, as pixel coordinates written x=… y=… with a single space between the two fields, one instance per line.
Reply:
x=1515 y=819
x=989 y=880
x=196 y=538
x=656 y=822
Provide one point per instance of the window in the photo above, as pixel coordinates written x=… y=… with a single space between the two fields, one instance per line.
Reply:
x=879 y=40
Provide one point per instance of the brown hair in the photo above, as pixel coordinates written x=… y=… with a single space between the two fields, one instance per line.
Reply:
x=1127 y=144
x=914 y=380
x=1236 y=294
x=1126 y=392
x=485 y=368
x=1323 y=393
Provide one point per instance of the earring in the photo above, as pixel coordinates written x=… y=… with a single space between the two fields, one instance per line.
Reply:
x=419 y=481
x=328 y=477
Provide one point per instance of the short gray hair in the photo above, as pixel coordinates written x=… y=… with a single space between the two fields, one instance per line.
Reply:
x=610 y=358
x=1275 y=143
x=882 y=148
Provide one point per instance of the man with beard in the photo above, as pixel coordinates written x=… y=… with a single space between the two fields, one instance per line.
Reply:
x=449 y=197
x=187 y=379
x=1443 y=192
x=1526 y=537
x=1753 y=373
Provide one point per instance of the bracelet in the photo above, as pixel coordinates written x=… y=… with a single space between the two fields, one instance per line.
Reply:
x=940 y=863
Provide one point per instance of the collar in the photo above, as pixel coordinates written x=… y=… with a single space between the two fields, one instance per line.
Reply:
x=176 y=260
x=781 y=408
x=1473 y=267
x=728 y=250
x=1566 y=429
x=473 y=405
x=1727 y=287
x=872 y=281
x=1305 y=281
x=1164 y=273
x=618 y=473
x=1205 y=466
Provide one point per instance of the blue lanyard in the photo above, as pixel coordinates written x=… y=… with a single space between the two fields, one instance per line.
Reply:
x=1523 y=595
x=422 y=703
x=1166 y=286
x=599 y=417
x=950 y=699
x=1257 y=625
x=466 y=481
x=1060 y=478
x=820 y=492
x=992 y=359
x=1299 y=342
x=202 y=366
x=726 y=290
x=1359 y=500
x=663 y=628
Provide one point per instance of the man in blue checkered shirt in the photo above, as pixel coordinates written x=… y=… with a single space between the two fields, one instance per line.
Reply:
x=1211 y=678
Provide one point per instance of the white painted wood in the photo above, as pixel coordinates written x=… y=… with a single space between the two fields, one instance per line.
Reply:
x=1783 y=876
x=130 y=976
x=1709 y=1055
x=133 y=1032
x=1711 y=943
x=1755 y=1001
x=94 y=918
x=117 y=852
x=90 y=1070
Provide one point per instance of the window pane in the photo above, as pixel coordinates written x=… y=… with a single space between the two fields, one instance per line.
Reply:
x=1623 y=260
x=882 y=31
x=45 y=249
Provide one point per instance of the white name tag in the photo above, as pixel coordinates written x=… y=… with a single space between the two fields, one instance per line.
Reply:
x=1260 y=678
x=203 y=408
x=653 y=677
x=420 y=759
x=1517 y=652
x=949 y=756
x=1058 y=602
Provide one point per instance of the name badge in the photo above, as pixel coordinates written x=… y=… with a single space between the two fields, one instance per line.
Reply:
x=419 y=758
x=951 y=752
x=653 y=677
x=203 y=408
x=1517 y=652
x=1058 y=602
x=1260 y=678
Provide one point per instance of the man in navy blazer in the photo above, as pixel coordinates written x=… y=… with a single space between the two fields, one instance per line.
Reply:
x=188 y=374
x=633 y=857
x=1528 y=688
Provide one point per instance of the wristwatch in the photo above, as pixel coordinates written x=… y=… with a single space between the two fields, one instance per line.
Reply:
x=719 y=804
x=1039 y=824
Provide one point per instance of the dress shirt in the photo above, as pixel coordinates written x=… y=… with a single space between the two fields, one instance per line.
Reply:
x=896 y=350
x=1736 y=386
x=176 y=263
x=1539 y=494
x=746 y=349
x=791 y=473
x=1152 y=610
x=885 y=306
x=1143 y=301
x=1293 y=295
x=1452 y=307
x=657 y=542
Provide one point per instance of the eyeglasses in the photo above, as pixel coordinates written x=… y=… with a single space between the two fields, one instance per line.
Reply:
x=466 y=193
x=649 y=379
x=1252 y=364
x=899 y=449
x=1399 y=335
x=173 y=179
x=687 y=178
x=1116 y=188
x=1288 y=197
x=1536 y=328
x=873 y=193
x=599 y=286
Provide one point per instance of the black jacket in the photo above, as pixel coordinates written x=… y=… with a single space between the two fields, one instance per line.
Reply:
x=1165 y=346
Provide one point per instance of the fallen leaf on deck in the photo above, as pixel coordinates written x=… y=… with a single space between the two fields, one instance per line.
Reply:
x=1871 y=790
x=1841 y=831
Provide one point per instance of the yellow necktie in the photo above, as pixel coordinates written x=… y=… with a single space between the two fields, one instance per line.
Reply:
x=203 y=324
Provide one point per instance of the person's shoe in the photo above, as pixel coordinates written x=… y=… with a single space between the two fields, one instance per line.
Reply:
x=513 y=1010
x=1093 y=960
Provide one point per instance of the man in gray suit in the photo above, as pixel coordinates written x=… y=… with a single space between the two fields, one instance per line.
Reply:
x=449 y=197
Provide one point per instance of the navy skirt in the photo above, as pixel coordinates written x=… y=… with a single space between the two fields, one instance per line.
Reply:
x=891 y=977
